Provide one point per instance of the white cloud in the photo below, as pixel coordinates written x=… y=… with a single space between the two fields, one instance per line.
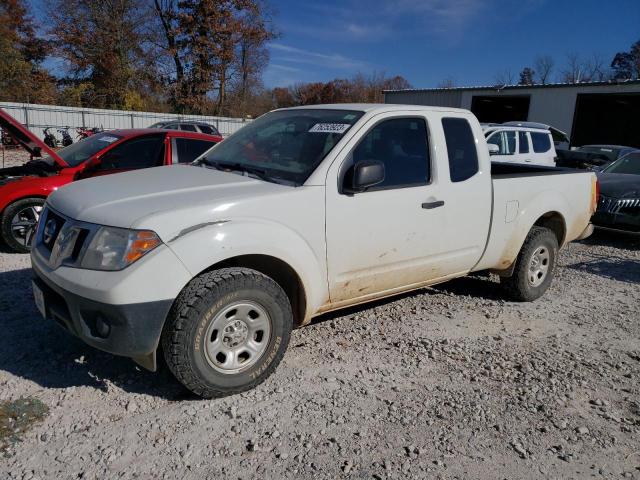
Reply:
x=329 y=60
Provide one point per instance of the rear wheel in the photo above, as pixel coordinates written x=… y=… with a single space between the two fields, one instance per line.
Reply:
x=535 y=266
x=19 y=222
x=227 y=331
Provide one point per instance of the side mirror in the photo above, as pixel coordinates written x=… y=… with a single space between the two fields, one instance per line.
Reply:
x=365 y=174
x=493 y=149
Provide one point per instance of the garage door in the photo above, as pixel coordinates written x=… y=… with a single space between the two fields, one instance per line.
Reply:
x=612 y=119
x=499 y=109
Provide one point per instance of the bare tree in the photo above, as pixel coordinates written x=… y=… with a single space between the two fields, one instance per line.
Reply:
x=575 y=70
x=448 y=82
x=505 y=77
x=596 y=68
x=543 y=65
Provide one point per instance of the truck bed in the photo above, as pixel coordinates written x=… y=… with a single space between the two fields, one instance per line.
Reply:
x=521 y=197
x=518 y=170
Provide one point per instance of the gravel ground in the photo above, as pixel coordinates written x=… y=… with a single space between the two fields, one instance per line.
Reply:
x=447 y=382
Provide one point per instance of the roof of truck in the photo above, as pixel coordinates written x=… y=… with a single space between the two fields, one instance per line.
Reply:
x=370 y=107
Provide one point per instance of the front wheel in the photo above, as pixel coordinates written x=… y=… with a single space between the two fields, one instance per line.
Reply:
x=535 y=266
x=19 y=222
x=227 y=331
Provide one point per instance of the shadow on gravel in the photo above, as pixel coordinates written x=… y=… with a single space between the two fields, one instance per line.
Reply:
x=476 y=286
x=605 y=238
x=613 y=268
x=38 y=350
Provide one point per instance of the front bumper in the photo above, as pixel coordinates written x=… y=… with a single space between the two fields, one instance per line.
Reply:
x=617 y=221
x=130 y=330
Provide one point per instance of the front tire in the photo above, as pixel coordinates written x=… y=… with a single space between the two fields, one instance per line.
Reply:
x=227 y=332
x=535 y=266
x=19 y=221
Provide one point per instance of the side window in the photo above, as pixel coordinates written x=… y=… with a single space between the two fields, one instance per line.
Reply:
x=401 y=145
x=505 y=140
x=461 y=148
x=188 y=127
x=541 y=142
x=524 y=142
x=171 y=126
x=208 y=129
x=136 y=153
x=188 y=149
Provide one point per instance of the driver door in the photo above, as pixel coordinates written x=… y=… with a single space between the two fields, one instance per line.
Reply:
x=133 y=154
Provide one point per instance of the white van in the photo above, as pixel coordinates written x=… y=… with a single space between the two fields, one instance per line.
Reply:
x=520 y=143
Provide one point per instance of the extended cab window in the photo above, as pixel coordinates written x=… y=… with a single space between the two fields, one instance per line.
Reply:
x=524 y=142
x=505 y=140
x=541 y=142
x=141 y=152
x=461 y=148
x=401 y=145
x=188 y=149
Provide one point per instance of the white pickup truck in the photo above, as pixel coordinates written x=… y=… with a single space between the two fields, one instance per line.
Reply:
x=303 y=211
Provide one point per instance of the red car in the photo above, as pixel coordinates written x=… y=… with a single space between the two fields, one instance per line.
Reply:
x=23 y=189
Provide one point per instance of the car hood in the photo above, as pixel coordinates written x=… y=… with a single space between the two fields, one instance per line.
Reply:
x=26 y=138
x=618 y=185
x=185 y=194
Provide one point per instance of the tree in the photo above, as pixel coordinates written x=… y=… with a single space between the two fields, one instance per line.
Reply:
x=526 y=76
x=596 y=69
x=626 y=65
x=504 y=77
x=543 y=64
x=104 y=43
x=574 y=70
x=448 y=82
x=22 y=77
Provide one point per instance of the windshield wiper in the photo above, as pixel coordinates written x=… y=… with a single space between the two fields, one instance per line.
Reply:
x=238 y=167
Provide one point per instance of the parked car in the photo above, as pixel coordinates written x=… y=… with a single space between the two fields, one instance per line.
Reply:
x=592 y=157
x=23 y=189
x=303 y=211
x=187 y=126
x=619 y=205
x=526 y=143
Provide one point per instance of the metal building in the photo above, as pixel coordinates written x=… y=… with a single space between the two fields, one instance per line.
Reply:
x=591 y=113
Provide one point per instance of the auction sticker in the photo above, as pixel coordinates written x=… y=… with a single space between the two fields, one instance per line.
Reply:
x=330 y=128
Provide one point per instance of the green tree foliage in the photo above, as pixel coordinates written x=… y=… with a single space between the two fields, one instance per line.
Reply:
x=22 y=77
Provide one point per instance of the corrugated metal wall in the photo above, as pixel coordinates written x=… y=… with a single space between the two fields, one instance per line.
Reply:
x=39 y=117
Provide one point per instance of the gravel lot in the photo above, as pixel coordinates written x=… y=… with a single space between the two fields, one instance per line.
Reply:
x=447 y=382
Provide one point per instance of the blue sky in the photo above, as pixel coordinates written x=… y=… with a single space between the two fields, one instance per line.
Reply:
x=427 y=41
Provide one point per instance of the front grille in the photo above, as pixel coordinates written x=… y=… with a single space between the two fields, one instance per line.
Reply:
x=61 y=240
x=615 y=205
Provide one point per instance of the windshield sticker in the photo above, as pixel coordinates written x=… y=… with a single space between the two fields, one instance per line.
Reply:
x=339 y=128
x=108 y=139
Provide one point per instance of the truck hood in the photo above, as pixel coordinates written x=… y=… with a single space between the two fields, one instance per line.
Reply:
x=618 y=185
x=141 y=199
x=26 y=138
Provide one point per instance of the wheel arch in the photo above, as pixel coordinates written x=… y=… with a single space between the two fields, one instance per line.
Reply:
x=278 y=270
x=555 y=222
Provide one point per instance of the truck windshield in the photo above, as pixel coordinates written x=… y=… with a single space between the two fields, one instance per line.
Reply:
x=629 y=164
x=283 y=146
x=80 y=152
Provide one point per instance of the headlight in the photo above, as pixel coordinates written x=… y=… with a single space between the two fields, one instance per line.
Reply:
x=115 y=248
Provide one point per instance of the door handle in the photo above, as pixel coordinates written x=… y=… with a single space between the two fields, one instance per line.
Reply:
x=430 y=205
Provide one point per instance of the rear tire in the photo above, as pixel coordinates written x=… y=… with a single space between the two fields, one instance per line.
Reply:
x=19 y=221
x=227 y=332
x=535 y=266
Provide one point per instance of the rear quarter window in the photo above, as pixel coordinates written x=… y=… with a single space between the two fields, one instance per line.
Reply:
x=461 y=149
x=541 y=142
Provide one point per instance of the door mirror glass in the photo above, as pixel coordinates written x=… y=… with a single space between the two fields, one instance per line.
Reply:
x=367 y=173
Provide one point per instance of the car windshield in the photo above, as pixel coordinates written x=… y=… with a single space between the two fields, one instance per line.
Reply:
x=629 y=165
x=610 y=153
x=80 y=152
x=283 y=146
x=158 y=125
